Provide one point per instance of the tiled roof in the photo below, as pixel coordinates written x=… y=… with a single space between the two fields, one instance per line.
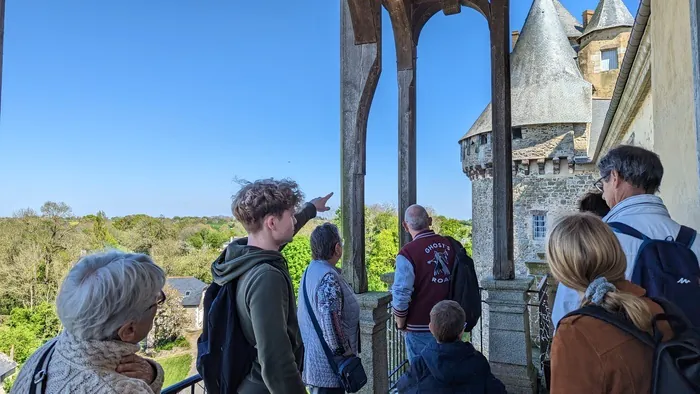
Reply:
x=608 y=14
x=546 y=84
x=572 y=27
x=189 y=287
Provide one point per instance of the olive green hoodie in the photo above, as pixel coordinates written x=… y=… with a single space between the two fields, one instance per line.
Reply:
x=266 y=306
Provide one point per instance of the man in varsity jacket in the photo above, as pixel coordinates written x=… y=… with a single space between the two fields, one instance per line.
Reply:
x=421 y=280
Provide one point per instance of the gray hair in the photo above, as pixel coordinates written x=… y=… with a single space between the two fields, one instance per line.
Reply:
x=323 y=241
x=417 y=218
x=105 y=290
x=637 y=166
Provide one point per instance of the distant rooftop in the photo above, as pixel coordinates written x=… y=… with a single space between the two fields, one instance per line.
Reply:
x=7 y=366
x=546 y=83
x=572 y=27
x=609 y=14
x=189 y=287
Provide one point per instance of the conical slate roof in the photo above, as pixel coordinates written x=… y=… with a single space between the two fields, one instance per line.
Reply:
x=546 y=84
x=572 y=27
x=609 y=13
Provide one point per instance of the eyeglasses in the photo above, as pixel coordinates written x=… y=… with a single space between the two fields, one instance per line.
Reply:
x=161 y=301
x=599 y=183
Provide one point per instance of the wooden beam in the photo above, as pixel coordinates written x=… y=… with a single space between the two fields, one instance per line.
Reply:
x=364 y=21
x=451 y=7
x=483 y=6
x=360 y=67
x=2 y=42
x=401 y=12
x=503 y=267
x=422 y=14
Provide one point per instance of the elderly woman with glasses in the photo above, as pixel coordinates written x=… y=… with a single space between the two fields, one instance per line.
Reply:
x=106 y=304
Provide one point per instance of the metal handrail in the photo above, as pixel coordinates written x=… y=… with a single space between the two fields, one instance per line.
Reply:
x=189 y=383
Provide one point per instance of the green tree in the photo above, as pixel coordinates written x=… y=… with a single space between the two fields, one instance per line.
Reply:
x=381 y=258
x=18 y=341
x=298 y=256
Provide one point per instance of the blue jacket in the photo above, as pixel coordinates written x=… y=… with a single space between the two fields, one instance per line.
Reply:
x=454 y=368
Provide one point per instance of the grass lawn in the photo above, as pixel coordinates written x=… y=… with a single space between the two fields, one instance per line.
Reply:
x=176 y=368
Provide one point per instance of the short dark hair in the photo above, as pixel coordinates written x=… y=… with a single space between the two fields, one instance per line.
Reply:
x=264 y=197
x=593 y=202
x=637 y=166
x=324 y=238
x=448 y=319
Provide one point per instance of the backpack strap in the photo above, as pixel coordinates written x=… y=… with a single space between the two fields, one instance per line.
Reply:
x=627 y=230
x=686 y=236
x=38 y=383
x=675 y=317
x=624 y=325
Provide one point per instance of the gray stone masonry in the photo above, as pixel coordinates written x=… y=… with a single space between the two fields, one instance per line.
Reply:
x=510 y=344
x=373 y=317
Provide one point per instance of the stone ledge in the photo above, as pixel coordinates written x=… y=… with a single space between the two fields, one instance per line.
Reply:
x=521 y=283
x=373 y=299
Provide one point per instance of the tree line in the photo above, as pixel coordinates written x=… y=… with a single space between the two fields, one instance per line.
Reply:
x=37 y=249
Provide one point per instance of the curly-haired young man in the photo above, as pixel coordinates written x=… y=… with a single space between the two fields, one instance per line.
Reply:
x=264 y=295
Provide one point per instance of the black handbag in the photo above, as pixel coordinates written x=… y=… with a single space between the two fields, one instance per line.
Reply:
x=38 y=384
x=349 y=370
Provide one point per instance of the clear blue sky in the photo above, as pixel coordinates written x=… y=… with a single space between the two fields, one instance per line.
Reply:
x=155 y=106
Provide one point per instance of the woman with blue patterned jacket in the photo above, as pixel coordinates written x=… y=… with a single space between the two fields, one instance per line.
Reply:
x=335 y=307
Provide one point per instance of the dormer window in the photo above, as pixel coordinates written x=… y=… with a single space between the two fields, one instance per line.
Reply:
x=517 y=133
x=608 y=60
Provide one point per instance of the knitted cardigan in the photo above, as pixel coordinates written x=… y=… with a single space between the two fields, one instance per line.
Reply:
x=86 y=367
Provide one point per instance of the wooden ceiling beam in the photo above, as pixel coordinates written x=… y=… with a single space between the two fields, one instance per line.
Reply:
x=451 y=7
x=363 y=16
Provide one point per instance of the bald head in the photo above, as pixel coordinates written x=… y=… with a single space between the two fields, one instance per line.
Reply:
x=417 y=218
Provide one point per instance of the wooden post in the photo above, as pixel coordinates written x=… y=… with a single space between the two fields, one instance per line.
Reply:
x=360 y=66
x=402 y=22
x=407 y=145
x=2 y=42
x=503 y=267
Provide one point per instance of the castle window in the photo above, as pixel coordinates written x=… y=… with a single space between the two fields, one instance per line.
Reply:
x=608 y=59
x=539 y=226
x=517 y=133
x=483 y=139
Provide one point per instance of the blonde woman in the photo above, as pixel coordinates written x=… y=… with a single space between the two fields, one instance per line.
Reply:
x=589 y=355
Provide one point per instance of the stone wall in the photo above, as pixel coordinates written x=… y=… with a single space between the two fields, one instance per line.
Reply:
x=555 y=141
x=548 y=194
x=551 y=195
x=589 y=57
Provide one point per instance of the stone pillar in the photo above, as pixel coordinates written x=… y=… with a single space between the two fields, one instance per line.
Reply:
x=510 y=344
x=373 y=319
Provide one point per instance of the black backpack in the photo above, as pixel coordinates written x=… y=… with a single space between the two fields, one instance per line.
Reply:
x=676 y=363
x=668 y=269
x=224 y=356
x=464 y=286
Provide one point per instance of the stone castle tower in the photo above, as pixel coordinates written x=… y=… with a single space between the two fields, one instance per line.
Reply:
x=563 y=73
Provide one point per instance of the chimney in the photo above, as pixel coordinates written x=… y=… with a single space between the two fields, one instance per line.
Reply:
x=514 y=37
x=587 y=16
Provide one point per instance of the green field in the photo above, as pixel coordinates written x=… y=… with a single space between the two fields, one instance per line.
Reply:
x=176 y=368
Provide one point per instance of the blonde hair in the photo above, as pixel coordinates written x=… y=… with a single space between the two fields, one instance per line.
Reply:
x=581 y=248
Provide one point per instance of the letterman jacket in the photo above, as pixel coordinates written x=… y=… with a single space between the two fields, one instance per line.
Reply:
x=422 y=278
